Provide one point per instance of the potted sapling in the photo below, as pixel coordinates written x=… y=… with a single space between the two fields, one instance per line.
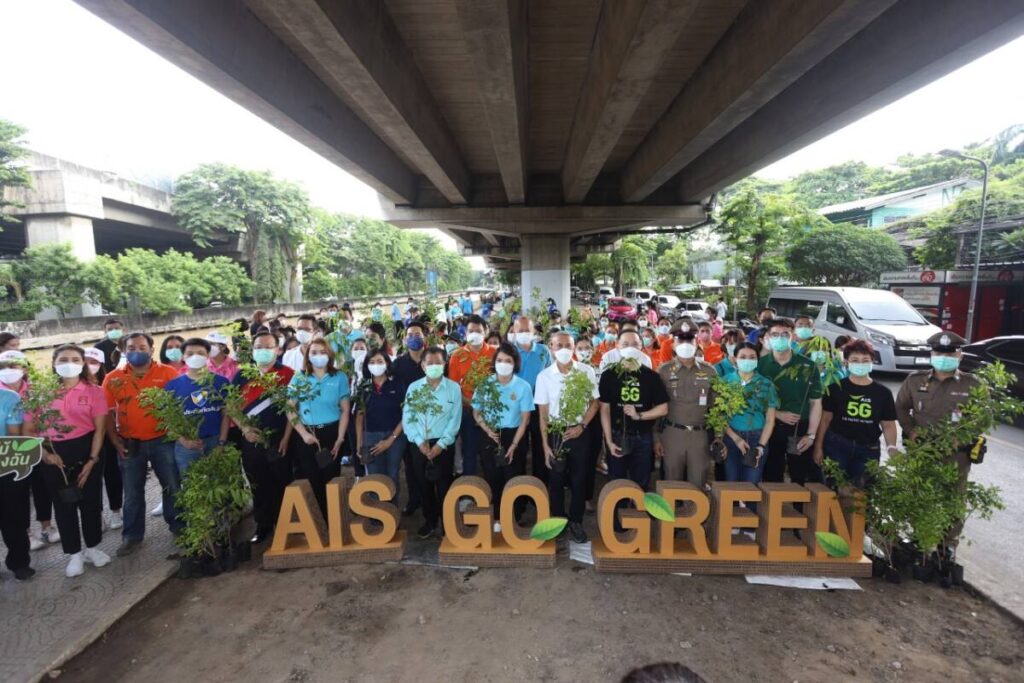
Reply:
x=422 y=405
x=577 y=393
x=730 y=401
x=44 y=388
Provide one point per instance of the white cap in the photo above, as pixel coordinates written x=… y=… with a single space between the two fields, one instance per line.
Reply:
x=12 y=356
x=218 y=338
x=96 y=355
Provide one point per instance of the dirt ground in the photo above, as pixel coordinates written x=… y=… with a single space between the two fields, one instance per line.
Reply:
x=423 y=623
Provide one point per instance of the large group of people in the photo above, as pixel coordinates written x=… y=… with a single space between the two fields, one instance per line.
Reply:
x=412 y=399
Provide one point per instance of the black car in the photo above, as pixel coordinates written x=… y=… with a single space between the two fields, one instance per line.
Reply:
x=1008 y=350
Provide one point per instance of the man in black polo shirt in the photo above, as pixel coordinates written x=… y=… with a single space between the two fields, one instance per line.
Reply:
x=407 y=369
x=633 y=398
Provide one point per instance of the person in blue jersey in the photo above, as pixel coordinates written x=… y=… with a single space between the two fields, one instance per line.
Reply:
x=200 y=393
x=533 y=358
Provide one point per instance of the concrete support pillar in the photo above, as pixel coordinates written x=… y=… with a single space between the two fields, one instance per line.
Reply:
x=546 y=267
x=64 y=229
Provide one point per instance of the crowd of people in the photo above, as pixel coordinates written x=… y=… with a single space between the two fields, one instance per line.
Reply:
x=418 y=398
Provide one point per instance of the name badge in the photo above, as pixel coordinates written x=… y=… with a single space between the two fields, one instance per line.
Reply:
x=703 y=400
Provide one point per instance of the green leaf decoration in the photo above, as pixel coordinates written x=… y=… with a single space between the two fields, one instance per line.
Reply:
x=26 y=445
x=833 y=544
x=658 y=507
x=546 y=529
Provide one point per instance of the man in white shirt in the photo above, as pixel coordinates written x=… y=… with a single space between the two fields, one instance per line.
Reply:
x=721 y=308
x=575 y=444
x=305 y=332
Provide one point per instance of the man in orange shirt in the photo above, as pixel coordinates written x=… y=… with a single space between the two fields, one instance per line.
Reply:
x=138 y=439
x=711 y=350
x=666 y=342
x=467 y=366
x=611 y=339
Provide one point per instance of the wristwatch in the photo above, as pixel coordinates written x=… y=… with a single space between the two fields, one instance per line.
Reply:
x=810 y=436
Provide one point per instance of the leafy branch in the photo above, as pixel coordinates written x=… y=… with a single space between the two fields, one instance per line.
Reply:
x=730 y=401
x=577 y=393
x=213 y=496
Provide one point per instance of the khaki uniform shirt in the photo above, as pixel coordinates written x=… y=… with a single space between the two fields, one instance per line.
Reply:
x=923 y=399
x=689 y=391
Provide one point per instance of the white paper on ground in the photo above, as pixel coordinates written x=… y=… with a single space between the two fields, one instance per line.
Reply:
x=581 y=552
x=806 y=582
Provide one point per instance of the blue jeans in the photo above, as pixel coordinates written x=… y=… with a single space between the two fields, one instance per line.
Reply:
x=735 y=470
x=160 y=454
x=390 y=460
x=470 y=433
x=183 y=457
x=851 y=456
x=637 y=465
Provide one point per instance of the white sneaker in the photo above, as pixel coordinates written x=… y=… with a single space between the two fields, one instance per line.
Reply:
x=51 y=535
x=75 y=566
x=497 y=527
x=36 y=541
x=96 y=557
x=158 y=511
x=116 y=521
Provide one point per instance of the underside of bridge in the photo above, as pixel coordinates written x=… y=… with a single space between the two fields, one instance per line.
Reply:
x=541 y=129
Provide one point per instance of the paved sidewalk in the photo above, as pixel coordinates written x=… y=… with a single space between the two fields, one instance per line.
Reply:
x=50 y=618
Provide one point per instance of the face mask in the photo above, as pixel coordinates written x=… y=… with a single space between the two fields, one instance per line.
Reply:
x=358 y=355
x=663 y=329
x=860 y=369
x=414 y=343
x=68 y=370
x=704 y=336
x=137 y=359
x=264 y=356
x=945 y=363
x=214 y=350
x=304 y=336
x=173 y=355
x=281 y=343
x=504 y=369
x=319 y=361
x=450 y=347
x=631 y=353
x=563 y=356
x=524 y=338
x=642 y=323
x=730 y=349
x=94 y=368
x=648 y=341
x=746 y=365
x=114 y=335
x=604 y=324
x=818 y=356
x=11 y=375
x=433 y=371
x=804 y=333
x=686 y=350
x=475 y=338
x=376 y=369
x=195 y=361
x=778 y=344
x=584 y=354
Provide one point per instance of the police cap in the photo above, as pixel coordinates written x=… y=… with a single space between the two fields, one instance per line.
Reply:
x=946 y=342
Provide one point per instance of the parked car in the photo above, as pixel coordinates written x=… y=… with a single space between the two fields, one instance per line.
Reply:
x=605 y=291
x=1008 y=350
x=620 y=309
x=586 y=297
x=667 y=305
x=694 y=309
x=640 y=297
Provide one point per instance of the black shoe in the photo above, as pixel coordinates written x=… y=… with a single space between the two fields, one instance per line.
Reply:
x=410 y=510
x=24 y=573
x=127 y=548
x=426 y=531
x=577 y=533
x=261 y=535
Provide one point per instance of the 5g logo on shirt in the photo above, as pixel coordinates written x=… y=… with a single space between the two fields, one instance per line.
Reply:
x=630 y=393
x=857 y=408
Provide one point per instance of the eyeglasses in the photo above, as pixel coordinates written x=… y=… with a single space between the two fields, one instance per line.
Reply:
x=780 y=335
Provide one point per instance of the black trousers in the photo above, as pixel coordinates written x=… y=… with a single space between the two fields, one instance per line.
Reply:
x=307 y=467
x=84 y=519
x=112 y=477
x=595 y=442
x=412 y=484
x=538 y=467
x=14 y=519
x=802 y=469
x=575 y=472
x=432 y=493
x=41 y=499
x=268 y=475
x=497 y=475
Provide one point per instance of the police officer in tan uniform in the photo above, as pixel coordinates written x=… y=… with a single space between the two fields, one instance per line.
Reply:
x=928 y=396
x=683 y=442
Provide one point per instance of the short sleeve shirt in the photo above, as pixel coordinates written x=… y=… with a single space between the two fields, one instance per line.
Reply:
x=384 y=405
x=532 y=362
x=516 y=399
x=10 y=410
x=858 y=411
x=122 y=389
x=320 y=398
x=202 y=399
x=642 y=389
x=78 y=407
x=798 y=382
x=550 y=384
x=761 y=395
x=462 y=362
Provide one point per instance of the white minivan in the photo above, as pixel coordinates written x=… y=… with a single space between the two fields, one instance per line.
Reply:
x=605 y=291
x=897 y=331
x=640 y=297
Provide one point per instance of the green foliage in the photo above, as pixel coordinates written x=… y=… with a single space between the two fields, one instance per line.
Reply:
x=44 y=387
x=213 y=497
x=168 y=410
x=630 y=262
x=577 y=393
x=595 y=267
x=672 y=266
x=486 y=392
x=549 y=528
x=844 y=255
x=832 y=369
x=272 y=216
x=834 y=545
x=11 y=174
x=51 y=277
x=422 y=405
x=176 y=281
x=837 y=184
x=730 y=400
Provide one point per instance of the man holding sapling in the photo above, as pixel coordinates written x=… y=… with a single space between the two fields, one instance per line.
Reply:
x=200 y=393
x=565 y=411
x=633 y=398
x=682 y=441
x=468 y=366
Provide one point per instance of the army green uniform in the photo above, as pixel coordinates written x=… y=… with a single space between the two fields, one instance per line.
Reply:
x=684 y=438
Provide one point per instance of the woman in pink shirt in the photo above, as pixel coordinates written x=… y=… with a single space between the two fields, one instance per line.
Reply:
x=221 y=363
x=73 y=426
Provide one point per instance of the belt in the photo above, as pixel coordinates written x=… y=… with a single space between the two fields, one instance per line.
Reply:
x=321 y=426
x=689 y=428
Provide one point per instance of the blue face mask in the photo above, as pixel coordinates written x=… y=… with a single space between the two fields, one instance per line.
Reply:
x=746 y=365
x=778 y=344
x=173 y=355
x=945 y=363
x=414 y=343
x=803 y=333
x=319 y=361
x=860 y=369
x=264 y=356
x=137 y=359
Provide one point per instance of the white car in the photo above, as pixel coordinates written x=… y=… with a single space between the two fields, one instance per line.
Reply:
x=695 y=309
x=667 y=305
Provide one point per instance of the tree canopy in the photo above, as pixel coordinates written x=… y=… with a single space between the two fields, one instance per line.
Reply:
x=11 y=174
x=844 y=255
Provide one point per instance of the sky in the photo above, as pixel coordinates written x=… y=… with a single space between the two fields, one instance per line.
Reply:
x=90 y=94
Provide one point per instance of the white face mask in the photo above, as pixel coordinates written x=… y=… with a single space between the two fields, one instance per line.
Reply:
x=504 y=369
x=214 y=351
x=11 y=375
x=686 y=351
x=195 y=361
x=563 y=356
x=304 y=336
x=524 y=338
x=358 y=355
x=584 y=354
x=376 y=369
x=68 y=370
x=94 y=368
x=511 y=336
x=475 y=338
x=663 y=329
x=631 y=353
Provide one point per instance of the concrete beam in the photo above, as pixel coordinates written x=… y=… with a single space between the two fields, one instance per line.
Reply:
x=770 y=45
x=495 y=33
x=226 y=46
x=355 y=48
x=632 y=41
x=889 y=59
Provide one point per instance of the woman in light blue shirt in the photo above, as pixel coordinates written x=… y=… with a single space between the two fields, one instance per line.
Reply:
x=320 y=414
x=431 y=417
x=503 y=450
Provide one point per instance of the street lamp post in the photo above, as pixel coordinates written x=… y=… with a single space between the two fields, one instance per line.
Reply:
x=972 y=301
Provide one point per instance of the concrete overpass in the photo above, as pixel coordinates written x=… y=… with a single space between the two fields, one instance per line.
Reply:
x=539 y=126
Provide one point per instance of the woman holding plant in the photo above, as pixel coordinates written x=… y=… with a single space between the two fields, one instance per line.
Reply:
x=73 y=424
x=380 y=440
x=748 y=431
x=502 y=404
